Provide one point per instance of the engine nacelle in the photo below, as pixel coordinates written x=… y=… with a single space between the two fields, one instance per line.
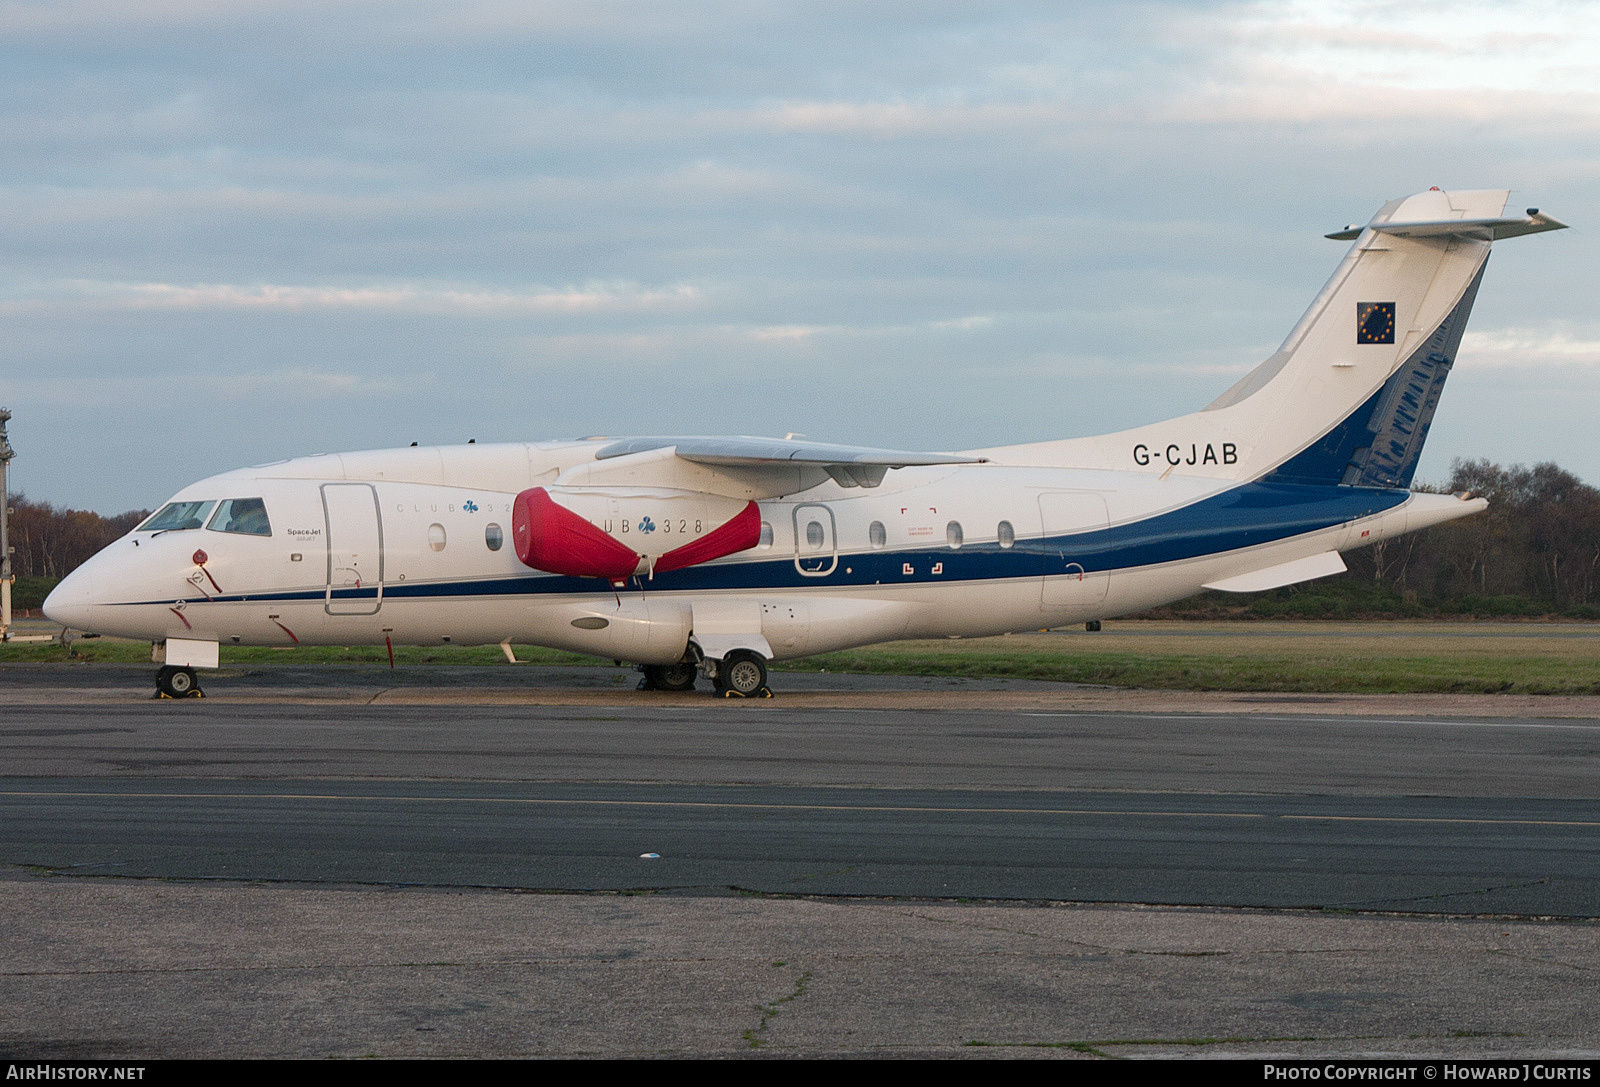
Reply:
x=604 y=532
x=646 y=631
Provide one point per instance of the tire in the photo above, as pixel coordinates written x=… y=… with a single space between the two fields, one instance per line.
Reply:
x=677 y=677
x=177 y=682
x=742 y=672
x=669 y=677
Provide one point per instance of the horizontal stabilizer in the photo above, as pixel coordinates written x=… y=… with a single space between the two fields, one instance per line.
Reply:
x=1285 y=573
x=1484 y=229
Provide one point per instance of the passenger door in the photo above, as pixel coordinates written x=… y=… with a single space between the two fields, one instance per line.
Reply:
x=355 y=549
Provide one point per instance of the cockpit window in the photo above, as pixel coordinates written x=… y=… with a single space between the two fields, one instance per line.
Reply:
x=243 y=515
x=175 y=516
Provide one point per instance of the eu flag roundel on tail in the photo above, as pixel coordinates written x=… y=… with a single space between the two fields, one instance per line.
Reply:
x=1374 y=322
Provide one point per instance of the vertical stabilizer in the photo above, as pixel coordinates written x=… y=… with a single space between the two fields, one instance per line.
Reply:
x=1349 y=396
x=1379 y=443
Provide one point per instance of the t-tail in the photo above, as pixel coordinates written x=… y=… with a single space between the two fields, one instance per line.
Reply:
x=1350 y=395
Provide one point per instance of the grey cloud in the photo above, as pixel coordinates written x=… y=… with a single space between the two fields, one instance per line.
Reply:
x=1131 y=197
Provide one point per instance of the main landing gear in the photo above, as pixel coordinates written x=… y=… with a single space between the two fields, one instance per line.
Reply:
x=177 y=682
x=742 y=674
x=672 y=677
x=669 y=677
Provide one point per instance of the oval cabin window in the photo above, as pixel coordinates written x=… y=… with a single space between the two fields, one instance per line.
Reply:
x=876 y=534
x=766 y=536
x=436 y=536
x=814 y=535
x=952 y=534
x=494 y=536
x=1007 y=534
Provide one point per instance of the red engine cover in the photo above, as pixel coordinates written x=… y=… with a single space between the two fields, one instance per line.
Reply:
x=548 y=536
x=740 y=533
x=551 y=537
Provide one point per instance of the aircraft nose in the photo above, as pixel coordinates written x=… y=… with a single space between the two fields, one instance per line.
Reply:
x=71 y=603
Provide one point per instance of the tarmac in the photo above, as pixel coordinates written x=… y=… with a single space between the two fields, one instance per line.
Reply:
x=442 y=862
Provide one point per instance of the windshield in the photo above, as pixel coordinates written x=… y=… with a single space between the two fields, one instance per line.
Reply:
x=245 y=515
x=177 y=515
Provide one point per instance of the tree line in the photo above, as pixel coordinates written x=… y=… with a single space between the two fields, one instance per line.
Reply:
x=1538 y=542
x=49 y=543
x=1534 y=552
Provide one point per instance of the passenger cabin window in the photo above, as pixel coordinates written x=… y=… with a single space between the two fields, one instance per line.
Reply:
x=494 y=536
x=436 y=536
x=952 y=534
x=177 y=516
x=814 y=535
x=876 y=535
x=1007 y=534
x=246 y=516
x=766 y=535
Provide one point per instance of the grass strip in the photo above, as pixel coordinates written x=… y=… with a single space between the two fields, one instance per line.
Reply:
x=1397 y=658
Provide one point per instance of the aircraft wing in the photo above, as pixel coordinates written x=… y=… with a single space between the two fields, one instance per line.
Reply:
x=566 y=527
x=847 y=465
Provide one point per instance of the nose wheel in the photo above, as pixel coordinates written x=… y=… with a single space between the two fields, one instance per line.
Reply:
x=177 y=682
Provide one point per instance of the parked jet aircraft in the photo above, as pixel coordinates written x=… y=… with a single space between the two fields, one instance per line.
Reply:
x=697 y=556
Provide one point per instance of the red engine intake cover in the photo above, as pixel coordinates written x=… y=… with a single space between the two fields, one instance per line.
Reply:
x=741 y=532
x=548 y=536
x=551 y=537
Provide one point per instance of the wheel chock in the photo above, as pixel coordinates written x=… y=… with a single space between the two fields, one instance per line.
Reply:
x=762 y=692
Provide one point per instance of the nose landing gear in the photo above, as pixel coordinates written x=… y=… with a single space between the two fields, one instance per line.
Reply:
x=177 y=682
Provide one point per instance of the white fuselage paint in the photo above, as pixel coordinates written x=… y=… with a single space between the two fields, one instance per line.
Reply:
x=338 y=521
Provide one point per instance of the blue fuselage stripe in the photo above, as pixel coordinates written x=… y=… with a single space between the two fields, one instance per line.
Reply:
x=1245 y=516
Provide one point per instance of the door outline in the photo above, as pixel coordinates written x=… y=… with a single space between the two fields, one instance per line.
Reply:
x=825 y=560
x=1065 y=582
x=352 y=531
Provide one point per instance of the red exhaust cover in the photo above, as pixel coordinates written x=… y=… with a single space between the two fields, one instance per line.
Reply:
x=742 y=532
x=551 y=537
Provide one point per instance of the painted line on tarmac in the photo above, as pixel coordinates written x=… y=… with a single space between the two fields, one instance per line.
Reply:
x=1446 y=819
x=577 y=802
x=751 y=806
x=1312 y=718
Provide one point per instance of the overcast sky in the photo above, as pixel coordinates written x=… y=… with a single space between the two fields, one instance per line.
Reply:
x=238 y=232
